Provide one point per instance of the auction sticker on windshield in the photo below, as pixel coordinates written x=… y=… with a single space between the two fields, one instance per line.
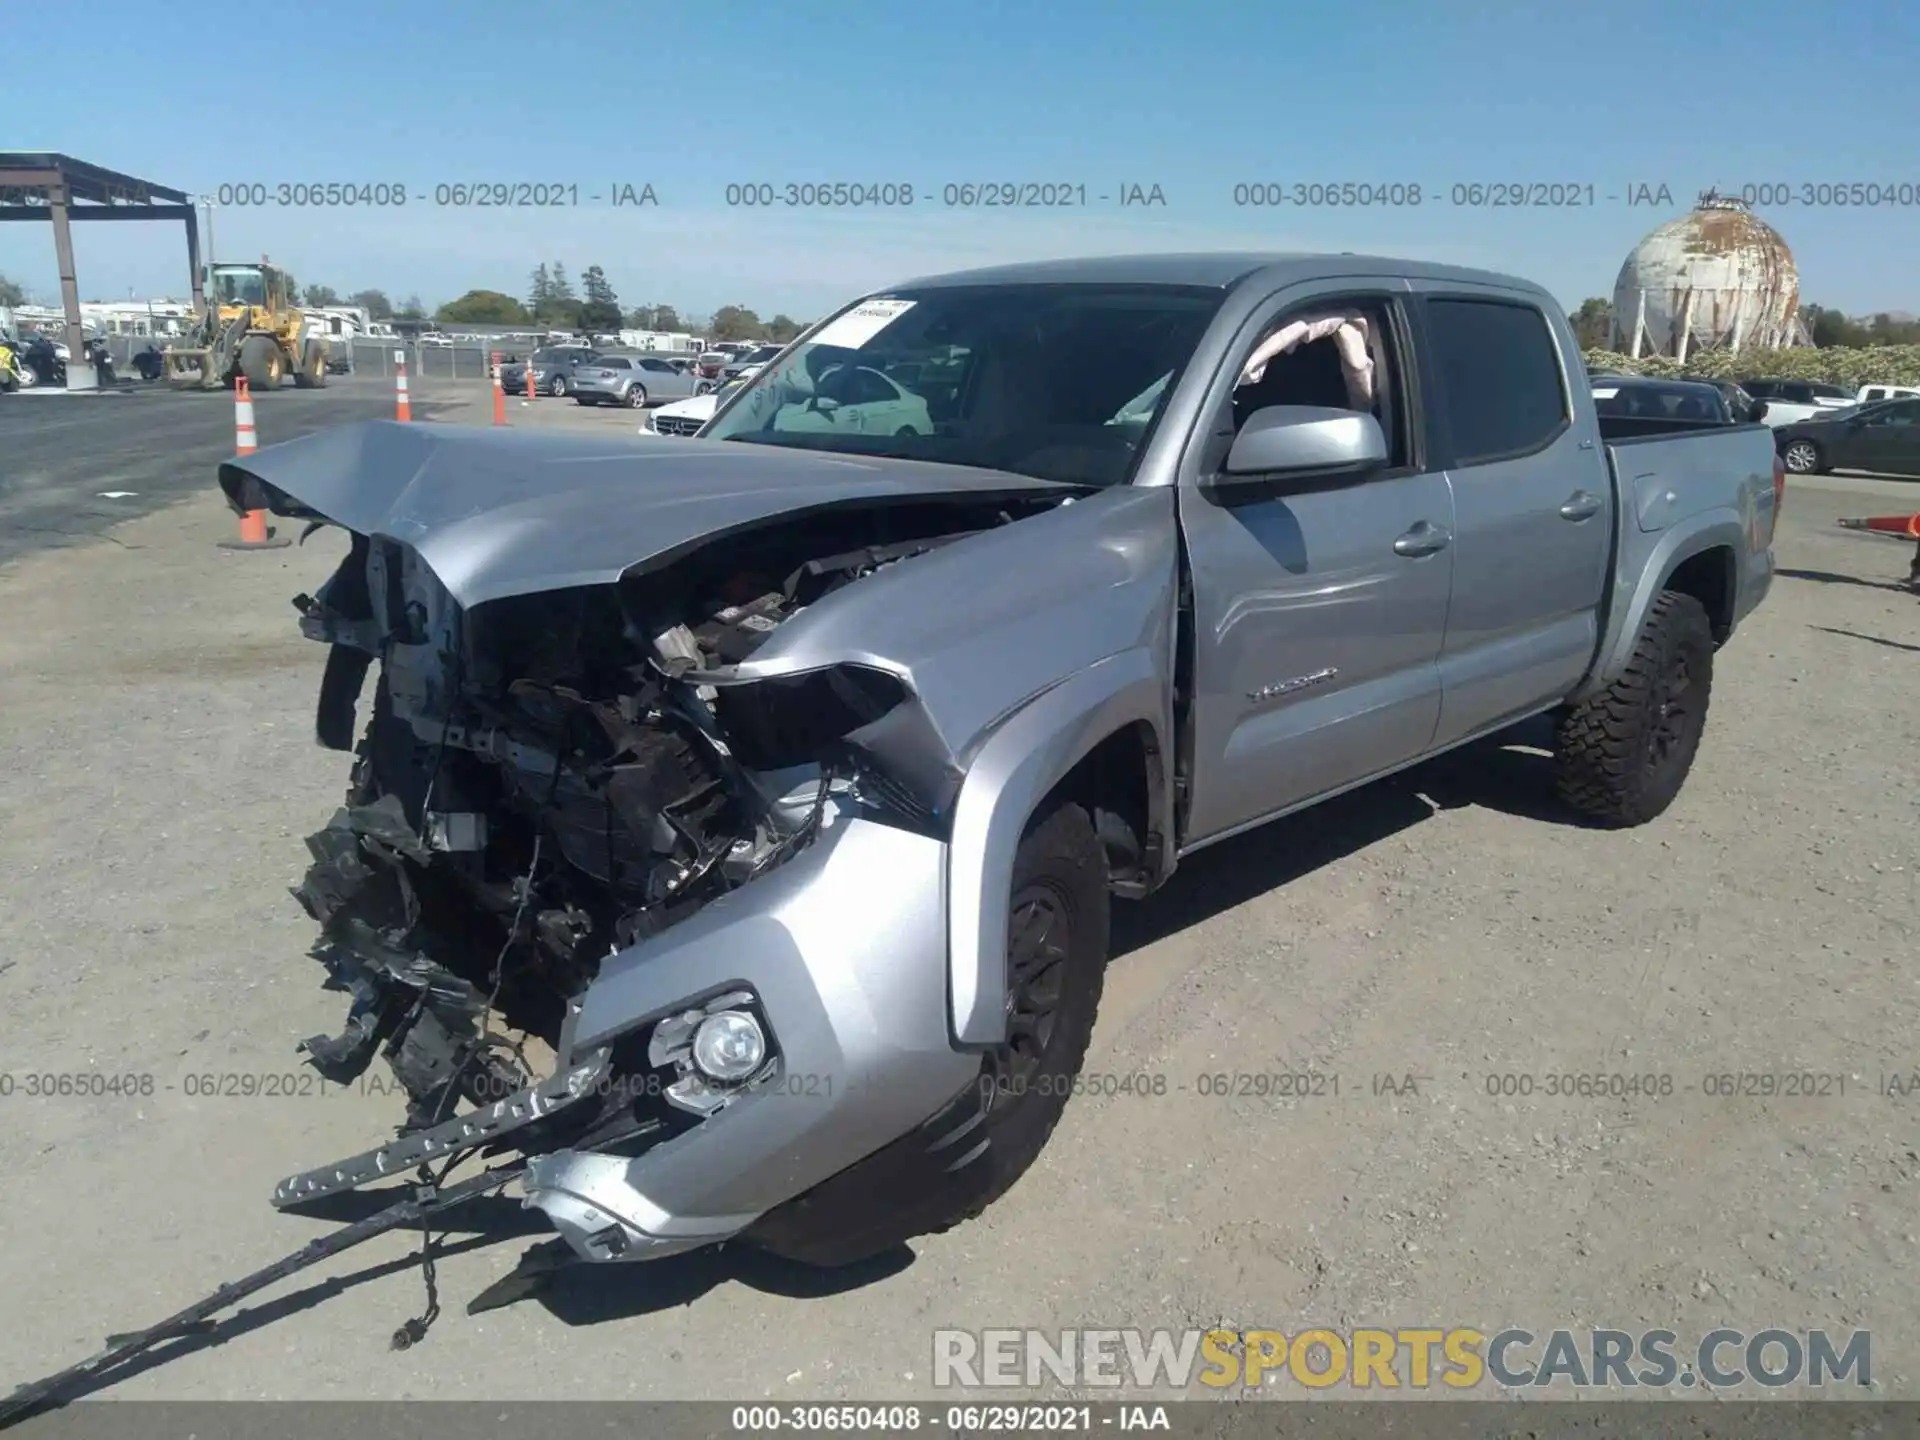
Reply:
x=862 y=323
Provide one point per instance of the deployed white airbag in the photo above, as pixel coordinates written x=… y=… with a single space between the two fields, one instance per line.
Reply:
x=1350 y=336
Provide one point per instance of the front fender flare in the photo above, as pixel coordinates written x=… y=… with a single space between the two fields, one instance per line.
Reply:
x=1640 y=583
x=1024 y=757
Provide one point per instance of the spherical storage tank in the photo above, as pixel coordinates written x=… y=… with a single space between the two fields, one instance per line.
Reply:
x=1720 y=276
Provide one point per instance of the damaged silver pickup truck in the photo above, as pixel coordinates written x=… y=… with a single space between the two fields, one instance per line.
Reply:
x=735 y=821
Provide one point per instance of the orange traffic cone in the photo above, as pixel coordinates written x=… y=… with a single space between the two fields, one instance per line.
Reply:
x=529 y=377
x=499 y=395
x=1907 y=527
x=401 y=409
x=254 y=531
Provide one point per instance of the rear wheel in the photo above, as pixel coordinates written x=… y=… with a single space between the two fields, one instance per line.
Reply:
x=557 y=387
x=1802 y=457
x=974 y=1150
x=261 y=362
x=637 y=397
x=1624 y=753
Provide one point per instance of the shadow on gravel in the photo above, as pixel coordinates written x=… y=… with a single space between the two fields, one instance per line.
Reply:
x=1511 y=772
x=1828 y=577
x=580 y=1294
x=1870 y=639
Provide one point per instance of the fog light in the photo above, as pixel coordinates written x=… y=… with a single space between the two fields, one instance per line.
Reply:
x=729 y=1046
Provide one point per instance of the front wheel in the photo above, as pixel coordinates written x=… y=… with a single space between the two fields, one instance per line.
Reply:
x=637 y=397
x=973 y=1151
x=704 y=387
x=1623 y=754
x=1802 y=457
x=557 y=387
x=261 y=363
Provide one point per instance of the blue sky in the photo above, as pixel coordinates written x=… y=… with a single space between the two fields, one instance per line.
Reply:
x=1194 y=97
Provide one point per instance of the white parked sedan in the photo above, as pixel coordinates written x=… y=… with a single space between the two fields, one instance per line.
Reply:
x=856 y=400
x=683 y=417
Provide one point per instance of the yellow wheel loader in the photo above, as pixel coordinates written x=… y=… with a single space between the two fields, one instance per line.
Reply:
x=250 y=327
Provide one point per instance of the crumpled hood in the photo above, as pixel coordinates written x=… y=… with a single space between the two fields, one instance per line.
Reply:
x=495 y=513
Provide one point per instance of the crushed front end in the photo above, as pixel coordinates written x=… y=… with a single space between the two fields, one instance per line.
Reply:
x=674 y=932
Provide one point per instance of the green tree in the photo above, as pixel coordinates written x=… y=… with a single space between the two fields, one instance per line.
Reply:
x=411 y=309
x=11 y=293
x=319 y=295
x=293 y=287
x=782 y=328
x=1592 y=323
x=667 y=319
x=374 y=302
x=552 y=301
x=483 y=307
x=735 y=322
x=601 y=312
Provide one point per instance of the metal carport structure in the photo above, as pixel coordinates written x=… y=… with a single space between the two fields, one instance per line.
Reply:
x=62 y=189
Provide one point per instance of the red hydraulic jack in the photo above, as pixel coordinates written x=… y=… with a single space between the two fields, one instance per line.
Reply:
x=1899 y=527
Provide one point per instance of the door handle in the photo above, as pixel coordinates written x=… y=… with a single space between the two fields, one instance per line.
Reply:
x=1422 y=539
x=1580 y=506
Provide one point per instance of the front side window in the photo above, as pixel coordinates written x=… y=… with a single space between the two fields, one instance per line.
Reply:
x=1900 y=412
x=1337 y=354
x=1024 y=378
x=1498 y=373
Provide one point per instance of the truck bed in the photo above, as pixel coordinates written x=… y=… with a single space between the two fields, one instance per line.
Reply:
x=1618 y=429
x=1666 y=473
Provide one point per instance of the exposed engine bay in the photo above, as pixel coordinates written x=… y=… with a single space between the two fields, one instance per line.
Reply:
x=548 y=779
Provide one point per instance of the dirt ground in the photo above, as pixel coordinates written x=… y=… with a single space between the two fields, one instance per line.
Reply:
x=158 y=773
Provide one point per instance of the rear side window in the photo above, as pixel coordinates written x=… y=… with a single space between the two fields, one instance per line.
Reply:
x=1498 y=376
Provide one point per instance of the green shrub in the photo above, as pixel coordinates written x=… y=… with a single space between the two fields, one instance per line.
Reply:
x=1836 y=365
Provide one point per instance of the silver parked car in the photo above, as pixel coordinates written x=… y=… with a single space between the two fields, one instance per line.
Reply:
x=635 y=380
x=780 y=779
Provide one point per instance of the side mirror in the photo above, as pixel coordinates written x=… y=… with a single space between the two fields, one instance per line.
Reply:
x=1759 y=411
x=1292 y=438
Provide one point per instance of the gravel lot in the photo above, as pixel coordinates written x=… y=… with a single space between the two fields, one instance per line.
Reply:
x=157 y=773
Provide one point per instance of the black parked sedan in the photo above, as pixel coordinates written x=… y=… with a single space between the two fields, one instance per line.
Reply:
x=1884 y=437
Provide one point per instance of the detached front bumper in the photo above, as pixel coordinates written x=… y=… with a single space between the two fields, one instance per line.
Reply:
x=843 y=950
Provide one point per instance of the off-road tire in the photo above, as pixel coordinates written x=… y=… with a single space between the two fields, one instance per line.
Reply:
x=973 y=1151
x=260 y=362
x=1624 y=753
x=312 y=374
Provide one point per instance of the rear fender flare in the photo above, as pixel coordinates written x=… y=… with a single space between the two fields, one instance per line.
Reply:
x=1012 y=772
x=1708 y=530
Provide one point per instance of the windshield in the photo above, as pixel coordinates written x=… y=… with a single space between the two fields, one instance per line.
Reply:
x=1060 y=382
x=239 y=287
